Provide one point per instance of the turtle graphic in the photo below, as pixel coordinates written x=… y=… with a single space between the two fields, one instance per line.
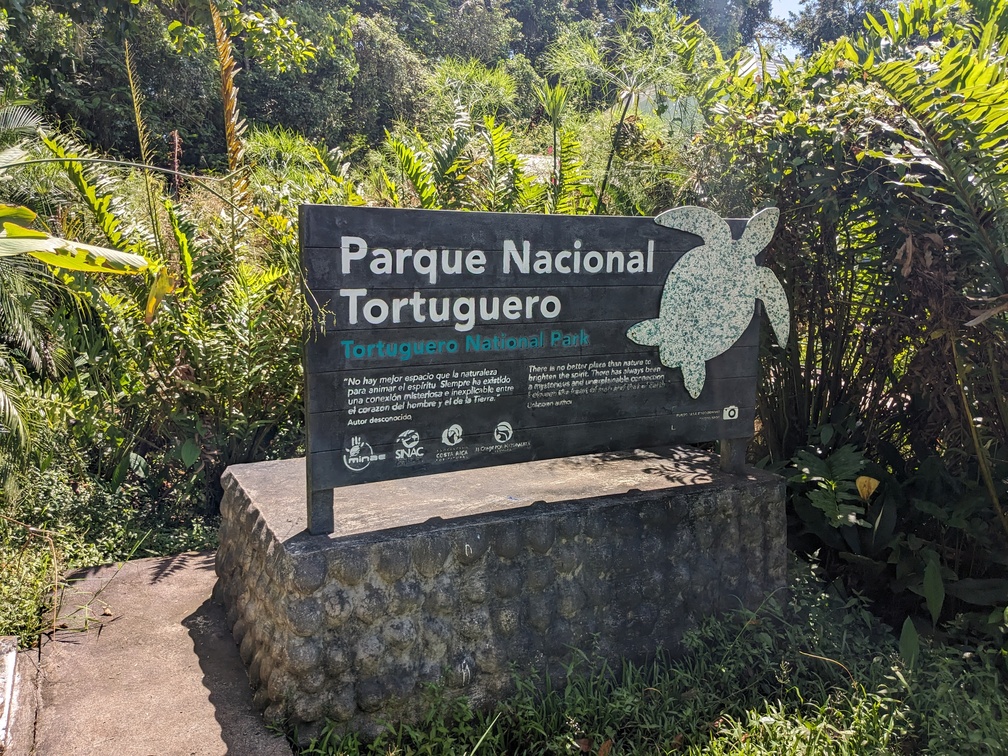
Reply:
x=709 y=294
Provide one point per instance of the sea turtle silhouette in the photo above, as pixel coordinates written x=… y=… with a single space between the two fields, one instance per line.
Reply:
x=709 y=294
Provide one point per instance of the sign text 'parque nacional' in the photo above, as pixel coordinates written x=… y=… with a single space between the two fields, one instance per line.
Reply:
x=448 y=340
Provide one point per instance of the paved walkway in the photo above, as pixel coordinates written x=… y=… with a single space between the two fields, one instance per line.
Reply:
x=146 y=667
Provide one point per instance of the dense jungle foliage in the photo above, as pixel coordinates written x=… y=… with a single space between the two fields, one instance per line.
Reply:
x=172 y=144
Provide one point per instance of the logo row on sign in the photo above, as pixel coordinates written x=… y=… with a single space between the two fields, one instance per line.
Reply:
x=358 y=453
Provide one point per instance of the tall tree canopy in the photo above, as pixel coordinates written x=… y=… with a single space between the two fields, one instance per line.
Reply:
x=821 y=21
x=731 y=23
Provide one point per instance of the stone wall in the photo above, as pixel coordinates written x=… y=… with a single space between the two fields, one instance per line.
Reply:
x=351 y=626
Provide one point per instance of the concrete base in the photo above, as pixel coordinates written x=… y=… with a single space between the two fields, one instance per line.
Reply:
x=463 y=578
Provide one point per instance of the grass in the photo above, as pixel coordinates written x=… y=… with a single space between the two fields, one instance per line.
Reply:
x=28 y=575
x=52 y=525
x=812 y=674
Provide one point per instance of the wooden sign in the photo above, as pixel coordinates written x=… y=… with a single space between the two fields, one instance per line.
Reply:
x=450 y=340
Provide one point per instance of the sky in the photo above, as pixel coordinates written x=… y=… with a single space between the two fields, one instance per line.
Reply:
x=781 y=8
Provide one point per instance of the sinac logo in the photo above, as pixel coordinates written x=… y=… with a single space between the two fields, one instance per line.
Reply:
x=358 y=454
x=503 y=432
x=452 y=435
x=409 y=443
x=409 y=439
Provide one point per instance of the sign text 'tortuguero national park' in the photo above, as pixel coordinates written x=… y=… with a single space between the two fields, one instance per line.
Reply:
x=448 y=340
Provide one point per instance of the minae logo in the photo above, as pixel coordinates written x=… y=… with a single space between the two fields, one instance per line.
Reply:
x=358 y=454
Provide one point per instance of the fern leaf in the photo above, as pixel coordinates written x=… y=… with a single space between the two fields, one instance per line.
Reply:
x=99 y=204
x=234 y=125
x=506 y=177
x=96 y=187
x=445 y=156
x=388 y=191
x=143 y=135
x=574 y=192
x=418 y=174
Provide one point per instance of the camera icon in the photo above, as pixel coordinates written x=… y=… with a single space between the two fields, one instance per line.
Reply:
x=729 y=413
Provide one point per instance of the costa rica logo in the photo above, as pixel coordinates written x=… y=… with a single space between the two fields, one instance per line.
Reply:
x=452 y=435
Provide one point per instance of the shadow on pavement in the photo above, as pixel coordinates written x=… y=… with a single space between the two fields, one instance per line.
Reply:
x=168 y=566
x=226 y=680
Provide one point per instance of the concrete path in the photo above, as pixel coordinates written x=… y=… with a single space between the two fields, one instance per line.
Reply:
x=145 y=666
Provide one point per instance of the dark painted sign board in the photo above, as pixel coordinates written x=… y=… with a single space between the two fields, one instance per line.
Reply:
x=449 y=340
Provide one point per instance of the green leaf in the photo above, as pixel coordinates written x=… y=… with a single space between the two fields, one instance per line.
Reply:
x=909 y=643
x=934 y=589
x=16 y=213
x=17 y=231
x=138 y=465
x=189 y=452
x=119 y=473
x=983 y=592
x=419 y=175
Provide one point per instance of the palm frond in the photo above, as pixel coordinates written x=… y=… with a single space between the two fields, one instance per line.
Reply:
x=953 y=141
x=22 y=310
x=13 y=429
x=13 y=154
x=17 y=121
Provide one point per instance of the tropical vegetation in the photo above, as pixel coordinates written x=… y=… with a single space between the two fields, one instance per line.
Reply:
x=811 y=673
x=172 y=144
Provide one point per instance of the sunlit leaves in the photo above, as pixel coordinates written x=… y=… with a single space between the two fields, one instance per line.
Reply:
x=952 y=143
x=186 y=38
x=412 y=167
x=484 y=90
x=275 y=41
x=162 y=286
x=69 y=255
x=651 y=54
